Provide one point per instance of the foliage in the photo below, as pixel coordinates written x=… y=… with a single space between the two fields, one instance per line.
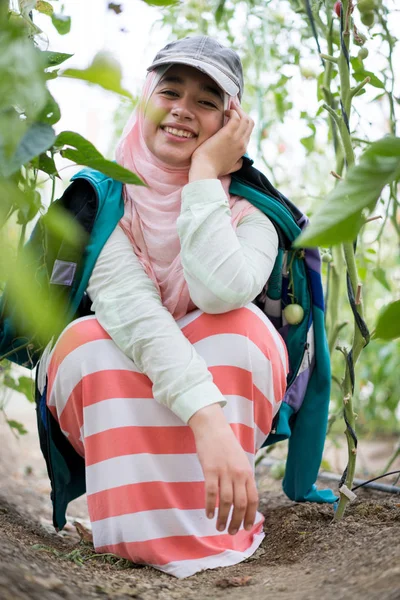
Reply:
x=29 y=147
x=278 y=43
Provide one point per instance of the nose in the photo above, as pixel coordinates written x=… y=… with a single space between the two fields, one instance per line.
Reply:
x=182 y=111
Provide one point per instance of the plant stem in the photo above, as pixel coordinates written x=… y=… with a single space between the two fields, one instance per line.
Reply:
x=346 y=96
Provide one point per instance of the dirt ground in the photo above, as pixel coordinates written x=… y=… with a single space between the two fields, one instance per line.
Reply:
x=304 y=554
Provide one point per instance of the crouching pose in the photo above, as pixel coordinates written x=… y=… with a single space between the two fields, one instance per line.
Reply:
x=170 y=387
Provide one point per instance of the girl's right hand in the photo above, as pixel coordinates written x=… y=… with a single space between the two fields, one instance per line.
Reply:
x=222 y=153
x=227 y=472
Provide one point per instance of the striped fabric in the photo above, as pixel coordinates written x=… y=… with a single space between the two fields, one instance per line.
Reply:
x=145 y=486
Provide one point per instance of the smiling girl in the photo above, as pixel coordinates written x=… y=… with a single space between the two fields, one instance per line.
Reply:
x=170 y=388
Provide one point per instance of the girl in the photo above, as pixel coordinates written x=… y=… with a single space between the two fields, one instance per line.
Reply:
x=170 y=388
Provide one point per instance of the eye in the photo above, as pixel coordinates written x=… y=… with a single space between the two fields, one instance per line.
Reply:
x=208 y=103
x=169 y=93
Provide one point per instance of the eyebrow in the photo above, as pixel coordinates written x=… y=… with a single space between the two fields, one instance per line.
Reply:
x=206 y=88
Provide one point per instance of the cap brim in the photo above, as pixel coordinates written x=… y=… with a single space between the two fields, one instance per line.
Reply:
x=224 y=82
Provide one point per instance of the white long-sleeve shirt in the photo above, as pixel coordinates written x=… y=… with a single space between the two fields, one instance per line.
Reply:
x=224 y=270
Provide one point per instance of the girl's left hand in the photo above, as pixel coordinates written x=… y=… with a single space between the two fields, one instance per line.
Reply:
x=222 y=152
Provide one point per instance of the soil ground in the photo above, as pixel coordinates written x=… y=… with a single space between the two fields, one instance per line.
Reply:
x=304 y=554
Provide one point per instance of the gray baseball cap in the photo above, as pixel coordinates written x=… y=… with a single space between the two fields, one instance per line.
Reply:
x=222 y=64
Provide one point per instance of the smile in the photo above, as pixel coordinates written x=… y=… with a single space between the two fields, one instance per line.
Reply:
x=181 y=133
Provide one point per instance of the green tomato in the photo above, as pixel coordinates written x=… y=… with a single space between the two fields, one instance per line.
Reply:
x=366 y=5
x=362 y=53
x=294 y=314
x=327 y=257
x=368 y=18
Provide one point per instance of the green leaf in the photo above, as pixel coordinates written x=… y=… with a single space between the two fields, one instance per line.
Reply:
x=36 y=140
x=43 y=315
x=62 y=23
x=51 y=113
x=219 y=11
x=53 y=59
x=24 y=385
x=388 y=324
x=84 y=153
x=375 y=82
x=340 y=216
x=380 y=276
x=109 y=168
x=22 y=79
x=104 y=71
x=44 y=7
x=62 y=225
x=18 y=426
x=320 y=82
x=52 y=74
x=161 y=2
x=30 y=208
x=308 y=143
x=47 y=165
x=70 y=138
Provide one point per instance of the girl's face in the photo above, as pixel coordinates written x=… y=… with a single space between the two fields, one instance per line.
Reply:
x=185 y=109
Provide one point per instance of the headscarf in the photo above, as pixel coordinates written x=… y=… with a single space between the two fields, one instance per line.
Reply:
x=151 y=212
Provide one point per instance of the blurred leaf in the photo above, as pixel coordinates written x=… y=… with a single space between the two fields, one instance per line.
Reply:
x=105 y=71
x=115 y=8
x=84 y=153
x=53 y=59
x=51 y=113
x=52 y=74
x=161 y=2
x=388 y=324
x=320 y=82
x=47 y=165
x=22 y=80
x=375 y=82
x=30 y=208
x=24 y=385
x=109 y=168
x=380 y=276
x=62 y=23
x=340 y=217
x=308 y=143
x=18 y=426
x=219 y=11
x=12 y=199
x=64 y=226
x=36 y=140
x=44 y=7
x=41 y=315
x=25 y=6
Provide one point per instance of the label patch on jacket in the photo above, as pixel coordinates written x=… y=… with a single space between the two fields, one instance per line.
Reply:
x=63 y=272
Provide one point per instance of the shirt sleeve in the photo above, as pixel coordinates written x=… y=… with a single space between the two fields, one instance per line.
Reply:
x=224 y=269
x=128 y=306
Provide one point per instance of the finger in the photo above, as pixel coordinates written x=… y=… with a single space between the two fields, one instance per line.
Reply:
x=233 y=119
x=252 y=503
x=232 y=113
x=211 y=490
x=245 y=127
x=239 y=506
x=225 y=502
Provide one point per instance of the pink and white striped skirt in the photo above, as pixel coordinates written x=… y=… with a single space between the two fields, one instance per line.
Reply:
x=145 y=485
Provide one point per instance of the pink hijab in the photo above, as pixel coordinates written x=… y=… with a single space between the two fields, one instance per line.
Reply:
x=151 y=212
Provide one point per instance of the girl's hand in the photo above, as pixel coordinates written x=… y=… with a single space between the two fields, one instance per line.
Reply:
x=227 y=472
x=221 y=153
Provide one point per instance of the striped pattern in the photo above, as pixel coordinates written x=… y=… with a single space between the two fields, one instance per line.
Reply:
x=145 y=486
